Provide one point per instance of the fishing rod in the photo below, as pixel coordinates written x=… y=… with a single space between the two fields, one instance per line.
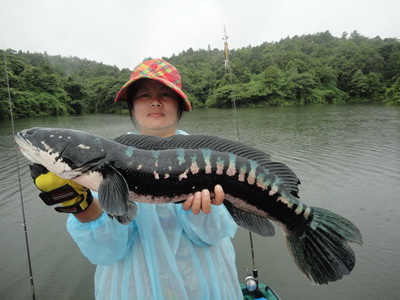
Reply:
x=248 y=280
x=19 y=180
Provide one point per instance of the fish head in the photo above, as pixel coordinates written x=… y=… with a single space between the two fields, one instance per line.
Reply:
x=67 y=153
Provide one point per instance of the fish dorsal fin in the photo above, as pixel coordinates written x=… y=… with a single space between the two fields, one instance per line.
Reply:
x=286 y=174
x=249 y=221
x=114 y=192
x=146 y=142
x=192 y=142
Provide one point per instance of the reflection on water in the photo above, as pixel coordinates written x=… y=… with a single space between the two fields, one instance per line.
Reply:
x=347 y=158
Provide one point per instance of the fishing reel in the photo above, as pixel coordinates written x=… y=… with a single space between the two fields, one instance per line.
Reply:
x=253 y=290
x=251 y=281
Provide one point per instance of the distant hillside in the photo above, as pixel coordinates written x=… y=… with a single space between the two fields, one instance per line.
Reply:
x=315 y=68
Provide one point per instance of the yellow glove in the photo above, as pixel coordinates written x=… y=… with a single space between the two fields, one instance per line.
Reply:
x=73 y=197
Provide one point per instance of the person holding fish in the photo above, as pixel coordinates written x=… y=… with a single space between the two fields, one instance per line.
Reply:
x=166 y=251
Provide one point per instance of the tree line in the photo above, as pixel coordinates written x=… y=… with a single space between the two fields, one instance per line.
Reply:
x=314 y=68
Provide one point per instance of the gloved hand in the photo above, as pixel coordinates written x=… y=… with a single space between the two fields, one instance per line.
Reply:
x=73 y=197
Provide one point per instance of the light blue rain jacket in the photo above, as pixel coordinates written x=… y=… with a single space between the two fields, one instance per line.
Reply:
x=165 y=253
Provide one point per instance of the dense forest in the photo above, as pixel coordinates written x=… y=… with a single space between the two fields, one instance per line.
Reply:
x=316 y=68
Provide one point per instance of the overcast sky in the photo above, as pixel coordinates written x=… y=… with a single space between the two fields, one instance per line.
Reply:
x=124 y=32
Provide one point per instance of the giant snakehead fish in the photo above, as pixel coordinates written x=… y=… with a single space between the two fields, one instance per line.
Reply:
x=136 y=168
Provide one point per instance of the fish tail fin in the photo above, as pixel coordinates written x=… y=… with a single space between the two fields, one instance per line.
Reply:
x=322 y=250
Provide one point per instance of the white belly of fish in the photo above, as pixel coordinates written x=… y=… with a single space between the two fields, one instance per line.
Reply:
x=90 y=180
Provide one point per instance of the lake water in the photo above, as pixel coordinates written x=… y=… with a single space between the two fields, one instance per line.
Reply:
x=348 y=160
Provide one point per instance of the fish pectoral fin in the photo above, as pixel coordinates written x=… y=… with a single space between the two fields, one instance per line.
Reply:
x=249 y=221
x=127 y=218
x=114 y=192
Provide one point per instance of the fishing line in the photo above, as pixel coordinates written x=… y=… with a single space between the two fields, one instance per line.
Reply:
x=19 y=180
x=233 y=100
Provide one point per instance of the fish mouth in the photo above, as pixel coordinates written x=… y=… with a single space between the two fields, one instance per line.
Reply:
x=21 y=141
x=26 y=147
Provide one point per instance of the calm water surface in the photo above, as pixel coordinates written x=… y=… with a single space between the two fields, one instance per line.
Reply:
x=348 y=160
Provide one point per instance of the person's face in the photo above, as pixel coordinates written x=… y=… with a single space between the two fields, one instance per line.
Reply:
x=155 y=108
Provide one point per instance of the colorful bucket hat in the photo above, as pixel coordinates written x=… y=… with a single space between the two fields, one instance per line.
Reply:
x=156 y=69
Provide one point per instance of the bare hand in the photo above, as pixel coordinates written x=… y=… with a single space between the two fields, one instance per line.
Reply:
x=201 y=201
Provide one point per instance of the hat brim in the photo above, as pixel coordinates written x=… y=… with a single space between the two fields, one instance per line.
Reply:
x=123 y=92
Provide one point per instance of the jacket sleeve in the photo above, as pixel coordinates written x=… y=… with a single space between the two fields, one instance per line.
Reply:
x=103 y=241
x=207 y=229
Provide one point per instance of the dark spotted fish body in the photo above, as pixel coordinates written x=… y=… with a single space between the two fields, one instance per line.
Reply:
x=225 y=161
x=257 y=190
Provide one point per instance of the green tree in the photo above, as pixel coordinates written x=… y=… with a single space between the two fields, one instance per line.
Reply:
x=359 y=85
x=312 y=68
x=273 y=81
x=392 y=95
x=299 y=87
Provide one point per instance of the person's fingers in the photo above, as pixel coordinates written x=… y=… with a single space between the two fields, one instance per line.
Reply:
x=219 y=195
x=196 y=205
x=205 y=201
x=201 y=201
x=188 y=203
